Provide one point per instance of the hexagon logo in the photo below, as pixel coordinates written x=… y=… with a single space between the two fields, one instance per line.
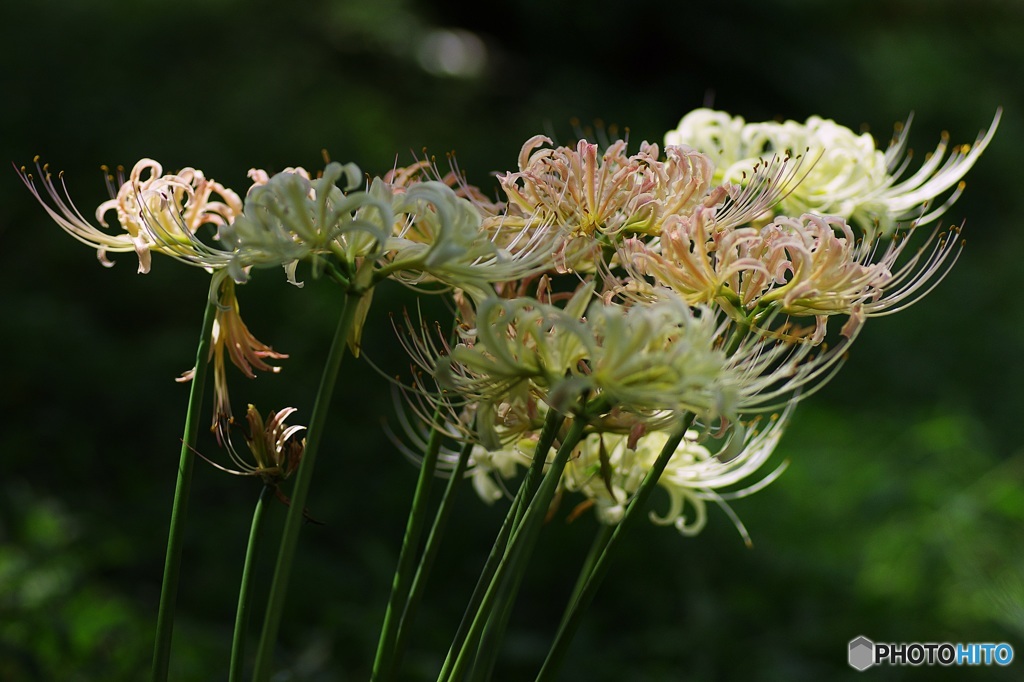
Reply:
x=862 y=653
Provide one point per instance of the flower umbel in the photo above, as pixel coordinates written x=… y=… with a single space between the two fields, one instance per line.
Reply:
x=157 y=211
x=850 y=177
x=586 y=191
x=609 y=468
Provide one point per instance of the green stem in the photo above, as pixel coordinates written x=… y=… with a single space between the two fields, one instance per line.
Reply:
x=494 y=629
x=574 y=612
x=383 y=664
x=300 y=491
x=179 y=508
x=430 y=551
x=513 y=564
x=497 y=620
x=552 y=423
x=483 y=582
x=244 y=590
x=604 y=535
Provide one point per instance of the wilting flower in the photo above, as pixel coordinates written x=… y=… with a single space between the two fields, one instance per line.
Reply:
x=232 y=337
x=156 y=211
x=849 y=177
x=275 y=447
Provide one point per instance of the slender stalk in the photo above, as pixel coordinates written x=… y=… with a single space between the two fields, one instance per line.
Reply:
x=596 y=565
x=179 y=508
x=513 y=564
x=483 y=582
x=383 y=663
x=574 y=612
x=604 y=535
x=430 y=551
x=552 y=422
x=300 y=491
x=497 y=620
x=494 y=629
x=245 y=588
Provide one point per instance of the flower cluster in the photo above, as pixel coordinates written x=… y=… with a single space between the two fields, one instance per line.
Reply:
x=657 y=301
x=689 y=290
x=422 y=234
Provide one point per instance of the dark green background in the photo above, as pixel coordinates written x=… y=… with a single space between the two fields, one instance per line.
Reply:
x=901 y=516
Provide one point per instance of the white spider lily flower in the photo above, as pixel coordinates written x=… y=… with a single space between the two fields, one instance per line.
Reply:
x=516 y=344
x=662 y=355
x=609 y=468
x=645 y=357
x=491 y=467
x=646 y=360
x=850 y=177
x=289 y=218
x=692 y=478
x=158 y=212
x=439 y=236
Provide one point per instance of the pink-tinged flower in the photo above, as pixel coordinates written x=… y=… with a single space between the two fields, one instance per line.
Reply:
x=807 y=266
x=695 y=258
x=156 y=211
x=594 y=199
x=585 y=191
x=261 y=177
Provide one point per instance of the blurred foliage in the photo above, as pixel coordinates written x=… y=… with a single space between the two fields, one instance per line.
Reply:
x=900 y=516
